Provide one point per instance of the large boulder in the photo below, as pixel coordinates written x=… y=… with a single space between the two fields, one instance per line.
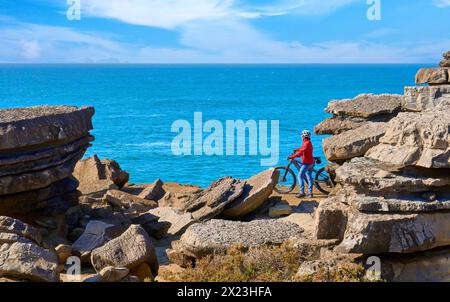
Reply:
x=430 y=266
x=433 y=76
x=129 y=250
x=216 y=236
x=40 y=147
x=97 y=176
x=420 y=139
x=353 y=143
x=154 y=191
x=395 y=233
x=10 y=225
x=372 y=176
x=93 y=237
x=446 y=60
x=257 y=190
x=338 y=124
x=366 y=105
x=208 y=203
x=178 y=222
x=421 y=98
x=28 y=261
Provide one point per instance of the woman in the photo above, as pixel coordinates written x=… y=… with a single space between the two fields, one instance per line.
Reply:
x=306 y=153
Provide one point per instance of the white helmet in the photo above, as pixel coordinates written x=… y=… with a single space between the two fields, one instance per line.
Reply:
x=306 y=134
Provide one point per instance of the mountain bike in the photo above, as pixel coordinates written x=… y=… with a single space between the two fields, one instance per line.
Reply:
x=288 y=179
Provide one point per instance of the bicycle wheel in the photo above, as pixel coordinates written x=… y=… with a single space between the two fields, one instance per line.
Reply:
x=323 y=182
x=286 y=181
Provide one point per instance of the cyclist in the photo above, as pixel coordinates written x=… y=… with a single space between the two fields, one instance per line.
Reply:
x=306 y=153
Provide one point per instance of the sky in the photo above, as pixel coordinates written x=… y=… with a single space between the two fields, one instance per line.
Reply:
x=224 y=31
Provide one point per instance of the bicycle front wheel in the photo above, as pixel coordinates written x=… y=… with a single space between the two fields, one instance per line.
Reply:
x=286 y=181
x=323 y=182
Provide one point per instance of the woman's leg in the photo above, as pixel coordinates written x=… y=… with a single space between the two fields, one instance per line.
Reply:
x=301 y=178
x=310 y=178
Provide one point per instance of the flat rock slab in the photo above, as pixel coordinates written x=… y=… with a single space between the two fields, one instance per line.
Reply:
x=370 y=175
x=395 y=233
x=129 y=250
x=366 y=105
x=208 y=203
x=421 y=98
x=28 y=261
x=10 y=225
x=433 y=76
x=338 y=124
x=257 y=190
x=420 y=139
x=216 y=236
x=178 y=221
x=353 y=143
x=93 y=237
x=97 y=176
x=33 y=126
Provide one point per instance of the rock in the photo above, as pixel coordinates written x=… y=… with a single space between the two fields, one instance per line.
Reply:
x=419 y=139
x=257 y=190
x=28 y=261
x=433 y=76
x=366 y=105
x=331 y=220
x=178 y=222
x=15 y=226
x=216 y=236
x=421 y=98
x=338 y=124
x=210 y=202
x=395 y=233
x=121 y=199
x=153 y=192
x=129 y=250
x=280 y=209
x=353 y=143
x=93 y=237
x=96 y=176
x=10 y=238
x=40 y=147
x=446 y=61
x=369 y=175
x=431 y=266
x=113 y=274
x=64 y=251
x=46 y=222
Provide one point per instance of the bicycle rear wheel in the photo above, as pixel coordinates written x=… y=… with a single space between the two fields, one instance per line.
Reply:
x=286 y=181
x=323 y=182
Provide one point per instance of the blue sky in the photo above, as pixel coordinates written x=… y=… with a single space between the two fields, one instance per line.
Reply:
x=224 y=31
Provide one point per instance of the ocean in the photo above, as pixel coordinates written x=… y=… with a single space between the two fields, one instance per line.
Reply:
x=136 y=106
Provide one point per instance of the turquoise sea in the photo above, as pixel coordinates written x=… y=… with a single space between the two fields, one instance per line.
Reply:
x=137 y=104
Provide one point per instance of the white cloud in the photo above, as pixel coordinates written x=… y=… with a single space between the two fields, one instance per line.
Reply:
x=441 y=3
x=170 y=14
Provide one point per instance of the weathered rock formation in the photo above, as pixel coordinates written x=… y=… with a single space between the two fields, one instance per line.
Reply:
x=392 y=197
x=216 y=236
x=39 y=148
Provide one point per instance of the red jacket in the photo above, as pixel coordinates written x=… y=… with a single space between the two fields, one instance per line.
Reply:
x=306 y=152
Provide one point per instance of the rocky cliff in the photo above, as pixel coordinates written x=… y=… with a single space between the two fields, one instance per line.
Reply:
x=39 y=148
x=391 y=158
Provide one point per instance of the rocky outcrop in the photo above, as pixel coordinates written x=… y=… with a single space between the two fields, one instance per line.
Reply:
x=216 y=236
x=22 y=256
x=39 y=149
x=257 y=190
x=353 y=143
x=394 y=198
x=97 y=176
x=357 y=124
x=129 y=250
x=446 y=60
